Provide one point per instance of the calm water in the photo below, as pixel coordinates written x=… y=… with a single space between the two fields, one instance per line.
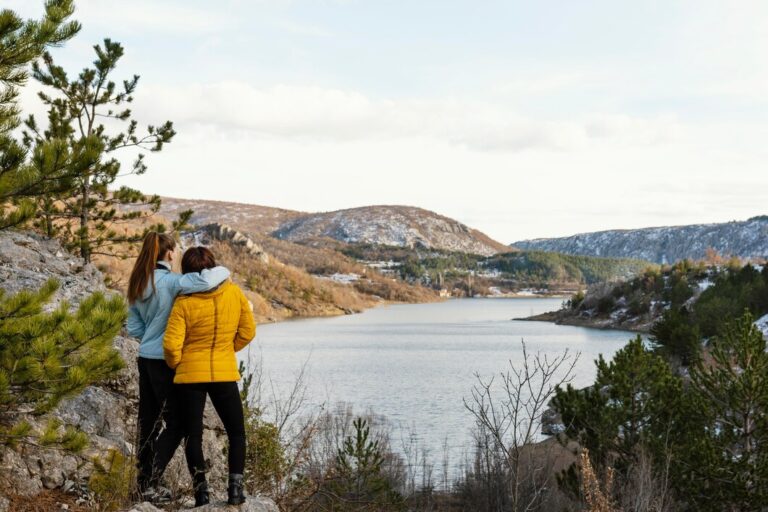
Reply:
x=414 y=363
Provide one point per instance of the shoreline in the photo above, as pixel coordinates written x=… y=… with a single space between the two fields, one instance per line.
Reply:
x=605 y=324
x=293 y=318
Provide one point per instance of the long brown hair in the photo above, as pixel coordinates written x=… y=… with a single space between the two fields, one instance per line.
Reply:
x=155 y=246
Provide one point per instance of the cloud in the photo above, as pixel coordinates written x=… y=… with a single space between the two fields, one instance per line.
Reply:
x=326 y=114
x=138 y=15
x=146 y=15
x=303 y=29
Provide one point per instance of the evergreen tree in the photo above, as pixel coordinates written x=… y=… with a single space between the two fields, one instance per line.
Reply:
x=87 y=216
x=48 y=356
x=359 y=481
x=44 y=357
x=676 y=335
x=21 y=43
x=635 y=406
x=725 y=466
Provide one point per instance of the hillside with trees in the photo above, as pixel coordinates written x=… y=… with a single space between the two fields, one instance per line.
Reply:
x=676 y=304
x=507 y=273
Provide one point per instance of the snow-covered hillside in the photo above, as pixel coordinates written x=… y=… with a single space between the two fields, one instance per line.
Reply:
x=745 y=239
x=401 y=226
x=249 y=218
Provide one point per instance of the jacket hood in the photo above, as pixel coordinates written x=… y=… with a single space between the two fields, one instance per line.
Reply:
x=213 y=292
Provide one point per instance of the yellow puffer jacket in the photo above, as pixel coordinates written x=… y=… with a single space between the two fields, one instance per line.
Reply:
x=204 y=332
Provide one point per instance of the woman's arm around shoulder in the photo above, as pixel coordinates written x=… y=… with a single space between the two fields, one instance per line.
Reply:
x=246 y=328
x=196 y=282
x=175 y=332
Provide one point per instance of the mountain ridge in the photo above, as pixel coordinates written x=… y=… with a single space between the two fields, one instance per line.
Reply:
x=664 y=244
x=396 y=225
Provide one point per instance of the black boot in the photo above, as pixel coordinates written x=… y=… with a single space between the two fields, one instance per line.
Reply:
x=235 y=490
x=202 y=496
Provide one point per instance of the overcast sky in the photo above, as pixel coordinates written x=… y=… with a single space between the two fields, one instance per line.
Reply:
x=522 y=119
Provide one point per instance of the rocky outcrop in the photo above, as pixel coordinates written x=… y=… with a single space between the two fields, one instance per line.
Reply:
x=106 y=412
x=27 y=261
x=221 y=232
x=745 y=239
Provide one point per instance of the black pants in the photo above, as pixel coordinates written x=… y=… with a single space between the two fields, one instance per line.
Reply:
x=160 y=429
x=225 y=397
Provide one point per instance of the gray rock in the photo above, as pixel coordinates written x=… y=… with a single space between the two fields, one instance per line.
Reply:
x=551 y=422
x=55 y=468
x=100 y=412
x=27 y=260
x=5 y=505
x=15 y=473
x=252 y=504
x=206 y=234
x=144 y=507
x=127 y=381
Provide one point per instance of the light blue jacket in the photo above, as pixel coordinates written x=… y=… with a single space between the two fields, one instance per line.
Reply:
x=148 y=317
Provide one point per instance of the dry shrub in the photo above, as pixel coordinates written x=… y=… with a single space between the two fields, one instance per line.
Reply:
x=113 y=481
x=596 y=495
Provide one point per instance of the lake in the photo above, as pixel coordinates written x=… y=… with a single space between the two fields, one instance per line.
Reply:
x=415 y=363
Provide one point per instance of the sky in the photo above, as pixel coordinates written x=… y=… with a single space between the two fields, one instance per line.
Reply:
x=521 y=119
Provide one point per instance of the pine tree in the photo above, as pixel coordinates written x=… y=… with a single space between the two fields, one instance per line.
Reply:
x=676 y=335
x=21 y=42
x=360 y=482
x=725 y=466
x=88 y=214
x=48 y=356
x=637 y=405
x=44 y=357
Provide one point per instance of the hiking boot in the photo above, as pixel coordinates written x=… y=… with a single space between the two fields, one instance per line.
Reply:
x=158 y=495
x=235 y=491
x=202 y=496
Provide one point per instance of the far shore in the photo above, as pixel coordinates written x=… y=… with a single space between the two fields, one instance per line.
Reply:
x=556 y=295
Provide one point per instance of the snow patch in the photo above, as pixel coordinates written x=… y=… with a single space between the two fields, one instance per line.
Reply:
x=762 y=324
x=340 y=278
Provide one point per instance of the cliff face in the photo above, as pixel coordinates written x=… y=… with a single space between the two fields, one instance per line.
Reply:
x=106 y=412
x=745 y=239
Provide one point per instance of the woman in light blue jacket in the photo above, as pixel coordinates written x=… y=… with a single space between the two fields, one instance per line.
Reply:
x=152 y=289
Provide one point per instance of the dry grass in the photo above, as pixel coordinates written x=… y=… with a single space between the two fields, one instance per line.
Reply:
x=45 y=501
x=280 y=291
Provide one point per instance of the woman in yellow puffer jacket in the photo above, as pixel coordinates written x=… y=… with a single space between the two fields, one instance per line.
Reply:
x=204 y=331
